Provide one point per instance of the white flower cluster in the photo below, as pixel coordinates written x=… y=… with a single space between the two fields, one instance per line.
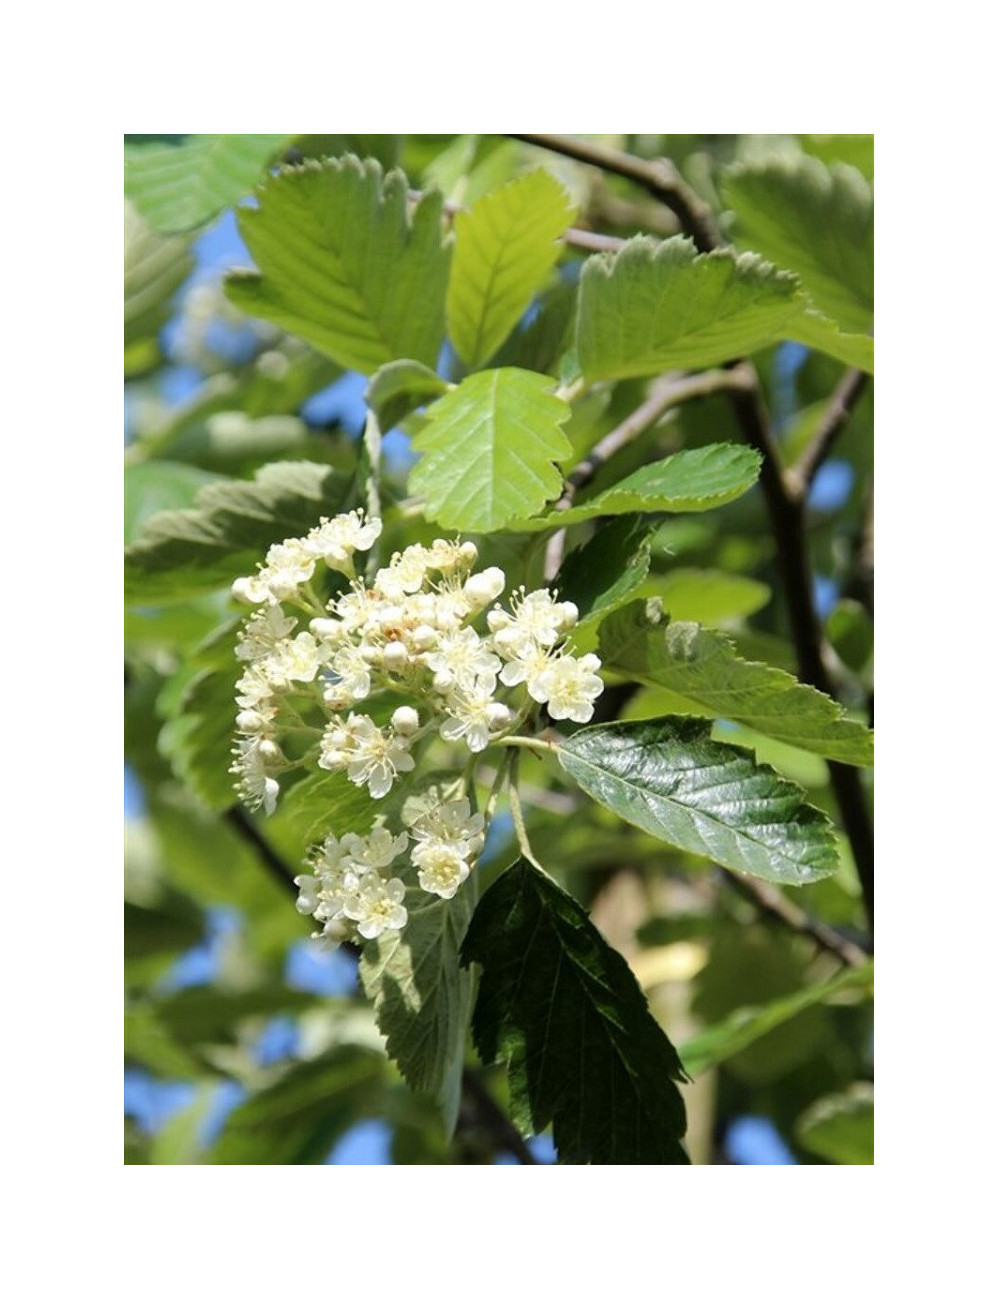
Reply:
x=420 y=629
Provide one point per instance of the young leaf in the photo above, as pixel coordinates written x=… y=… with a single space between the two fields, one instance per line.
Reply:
x=601 y=575
x=342 y=265
x=815 y=221
x=181 y=187
x=671 y=779
x=395 y=390
x=505 y=247
x=704 y=668
x=182 y=553
x=688 y=481
x=488 y=451
x=841 y=1128
x=657 y=306
x=423 y=998
x=564 y=1011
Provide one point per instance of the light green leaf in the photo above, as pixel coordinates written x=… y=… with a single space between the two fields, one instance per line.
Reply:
x=704 y=667
x=603 y=573
x=181 y=187
x=841 y=1128
x=700 y=479
x=671 y=779
x=423 y=998
x=198 y=738
x=563 y=1010
x=488 y=451
x=343 y=266
x=324 y=803
x=155 y=267
x=815 y=221
x=399 y=388
x=658 y=306
x=819 y=332
x=505 y=247
x=709 y=596
x=182 y=553
x=155 y=485
x=745 y=1025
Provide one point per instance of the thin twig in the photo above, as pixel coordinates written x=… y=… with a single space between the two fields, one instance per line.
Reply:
x=800 y=477
x=479 y=1110
x=771 y=902
x=244 y=826
x=658 y=177
x=671 y=391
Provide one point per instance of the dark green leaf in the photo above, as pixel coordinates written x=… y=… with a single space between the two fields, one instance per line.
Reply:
x=659 y=306
x=174 y=925
x=397 y=389
x=343 y=266
x=324 y=803
x=198 y=737
x=181 y=187
x=297 y=1119
x=182 y=553
x=488 y=451
x=423 y=998
x=565 y=1013
x=704 y=667
x=505 y=247
x=671 y=779
x=700 y=479
x=207 y=1015
x=601 y=575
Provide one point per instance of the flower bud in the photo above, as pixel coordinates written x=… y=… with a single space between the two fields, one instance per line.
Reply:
x=405 y=721
x=250 y=721
x=469 y=552
x=395 y=656
x=481 y=588
x=325 y=627
x=497 y=716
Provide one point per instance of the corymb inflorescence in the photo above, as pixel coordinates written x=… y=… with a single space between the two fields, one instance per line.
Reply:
x=367 y=682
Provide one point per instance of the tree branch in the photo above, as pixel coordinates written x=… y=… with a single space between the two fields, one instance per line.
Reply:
x=771 y=902
x=669 y=391
x=480 y=1111
x=658 y=177
x=784 y=504
x=244 y=826
x=799 y=479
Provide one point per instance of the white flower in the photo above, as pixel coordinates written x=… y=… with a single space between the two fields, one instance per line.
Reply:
x=462 y=659
x=441 y=868
x=372 y=852
x=371 y=756
x=469 y=717
x=405 y=721
x=481 y=588
x=287 y=566
x=568 y=687
x=265 y=628
x=353 y=673
x=452 y=823
x=256 y=787
x=377 y=906
x=536 y=619
x=336 y=540
x=294 y=661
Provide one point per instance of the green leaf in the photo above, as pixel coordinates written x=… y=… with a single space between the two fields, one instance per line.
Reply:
x=671 y=779
x=212 y=1015
x=172 y=926
x=182 y=553
x=659 y=306
x=747 y=1024
x=423 y=998
x=815 y=221
x=564 y=1011
x=155 y=267
x=505 y=247
x=181 y=187
x=198 y=738
x=695 y=480
x=841 y=1128
x=817 y=331
x=704 y=667
x=296 y=1120
x=399 y=388
x=709 y=596
x=324 y=803
x=488 y=451
x=343 y=266
x=155 y=485
x=605 y=571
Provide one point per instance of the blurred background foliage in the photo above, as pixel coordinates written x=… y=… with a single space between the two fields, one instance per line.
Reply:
x=242 y=1044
